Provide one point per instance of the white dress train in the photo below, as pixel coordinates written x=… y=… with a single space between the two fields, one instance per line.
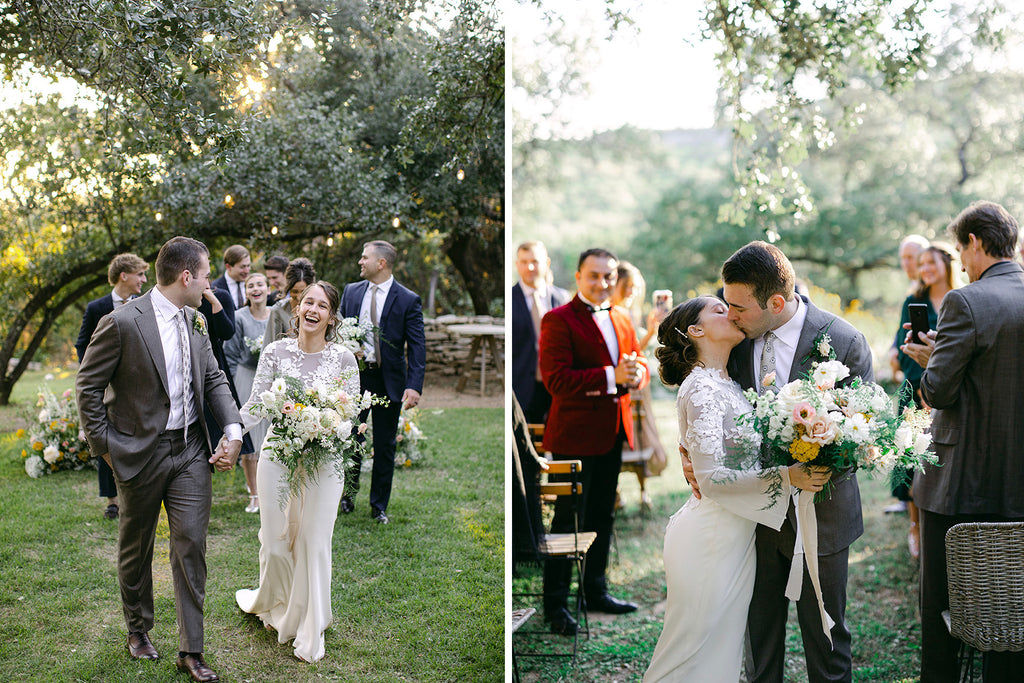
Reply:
x=294 y=593
x=709 y=543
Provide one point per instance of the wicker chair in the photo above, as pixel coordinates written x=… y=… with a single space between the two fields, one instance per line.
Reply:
x=984 y=562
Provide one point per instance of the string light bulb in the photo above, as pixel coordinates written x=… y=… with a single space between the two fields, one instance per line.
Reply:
x=396 y=222
x=461 y=174
x=273 y=230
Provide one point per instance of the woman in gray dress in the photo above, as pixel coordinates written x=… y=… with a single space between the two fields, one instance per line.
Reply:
x=243 y=352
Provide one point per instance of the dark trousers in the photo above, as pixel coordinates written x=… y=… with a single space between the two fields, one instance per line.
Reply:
x=385 y=429
x=599 y=479
x=108 y=487
x=938 y=648
x=179 y=477
x=769 y=609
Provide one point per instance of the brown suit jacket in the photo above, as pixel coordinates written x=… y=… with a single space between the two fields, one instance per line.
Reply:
x=123 y=401
x=975 y=383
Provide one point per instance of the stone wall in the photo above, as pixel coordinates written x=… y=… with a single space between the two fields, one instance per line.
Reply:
x=447 y=351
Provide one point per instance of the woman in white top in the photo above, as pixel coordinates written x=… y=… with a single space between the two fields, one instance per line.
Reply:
x=294 y=593
x=709 y=542
x=242 y=352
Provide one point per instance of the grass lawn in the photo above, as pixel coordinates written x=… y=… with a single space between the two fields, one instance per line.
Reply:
x=882 y=590
x=420 y=599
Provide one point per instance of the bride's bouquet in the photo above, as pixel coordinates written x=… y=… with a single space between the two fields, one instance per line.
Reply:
x=311 y=427
x=352 y=334
x=813 y=421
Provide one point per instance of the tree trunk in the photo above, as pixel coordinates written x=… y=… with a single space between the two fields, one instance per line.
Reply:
x=479 y=261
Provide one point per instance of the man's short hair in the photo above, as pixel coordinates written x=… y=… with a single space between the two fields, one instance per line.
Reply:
x=993 y=225
x=764 y=268
x=385 y=251
x=919 y=240
x=535 y=245
x=124 y=263
x=276 y=262
x=597 y=252
x=178 y=255
x=235 y=253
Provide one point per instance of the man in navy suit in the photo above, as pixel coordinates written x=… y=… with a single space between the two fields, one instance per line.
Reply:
x=126 y=274
x=393 y=364
x=532 y=297
x=237 y=264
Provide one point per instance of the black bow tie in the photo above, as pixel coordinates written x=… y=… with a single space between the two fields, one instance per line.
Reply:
x=603 y=307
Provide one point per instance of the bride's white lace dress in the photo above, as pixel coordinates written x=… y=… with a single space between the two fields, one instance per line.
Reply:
x=709 y=543
x=294 y=593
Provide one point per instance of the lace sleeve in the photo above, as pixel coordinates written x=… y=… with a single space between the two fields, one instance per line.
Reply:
x=266 y=368
x=724 y=454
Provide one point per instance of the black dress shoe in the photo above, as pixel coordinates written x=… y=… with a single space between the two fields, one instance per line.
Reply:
x=347 y=505
x=609 y=605
x=194 y=665
x=379 y=515
x=561 y=622
x=140 y=647
x=111 y=511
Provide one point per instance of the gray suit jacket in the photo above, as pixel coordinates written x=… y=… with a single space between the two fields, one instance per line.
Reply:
x=839 y=518
x=975 y=383
x=123 y=401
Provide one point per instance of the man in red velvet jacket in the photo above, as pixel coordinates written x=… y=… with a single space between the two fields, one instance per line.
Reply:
x=589 y=360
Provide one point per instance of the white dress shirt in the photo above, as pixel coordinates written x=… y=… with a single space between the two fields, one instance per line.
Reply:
x=364 y=313
x=603 y=318
x=788 y=337
x=176 y=419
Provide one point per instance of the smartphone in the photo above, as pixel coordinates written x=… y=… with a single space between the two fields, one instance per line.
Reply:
x=662 y=299
x=918 y=322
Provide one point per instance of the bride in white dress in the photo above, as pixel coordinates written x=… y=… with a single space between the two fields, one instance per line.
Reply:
x=709 y=542
x=294 y=593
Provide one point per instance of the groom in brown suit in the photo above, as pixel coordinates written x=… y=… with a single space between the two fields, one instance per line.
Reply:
x=142 y=386
x=973 y=380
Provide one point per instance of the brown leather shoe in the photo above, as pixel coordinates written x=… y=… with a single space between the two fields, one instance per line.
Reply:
x=196 y=668
x=140 y=647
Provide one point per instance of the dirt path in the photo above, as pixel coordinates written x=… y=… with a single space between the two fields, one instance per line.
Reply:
x=439 y=392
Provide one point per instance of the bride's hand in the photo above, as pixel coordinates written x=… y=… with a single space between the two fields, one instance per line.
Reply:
x=808 y=478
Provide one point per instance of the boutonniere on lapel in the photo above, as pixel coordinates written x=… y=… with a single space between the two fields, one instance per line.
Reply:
x=199 y=323
x=822 y=349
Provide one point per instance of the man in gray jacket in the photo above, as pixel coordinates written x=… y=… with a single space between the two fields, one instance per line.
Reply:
x=974 y=381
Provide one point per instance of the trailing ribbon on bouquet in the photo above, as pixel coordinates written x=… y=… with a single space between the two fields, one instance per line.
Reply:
x=806 y=549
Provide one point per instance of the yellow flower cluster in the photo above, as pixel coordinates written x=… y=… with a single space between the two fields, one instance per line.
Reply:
x=803 y=451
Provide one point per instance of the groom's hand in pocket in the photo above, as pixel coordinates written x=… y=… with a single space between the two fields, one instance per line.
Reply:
x=691 y=479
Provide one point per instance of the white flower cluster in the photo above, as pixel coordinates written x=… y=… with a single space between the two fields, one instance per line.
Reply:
x=352 y=334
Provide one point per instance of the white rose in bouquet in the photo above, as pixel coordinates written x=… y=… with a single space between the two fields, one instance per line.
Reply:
x=51 y=454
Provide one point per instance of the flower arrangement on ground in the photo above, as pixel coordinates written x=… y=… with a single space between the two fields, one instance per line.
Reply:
x=311 y=428
x=814 y=421
x=408 y=447
x=55 y=441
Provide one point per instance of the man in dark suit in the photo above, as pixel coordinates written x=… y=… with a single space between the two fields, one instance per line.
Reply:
x=237 y=264
x=126 y=274
x=394 y=361
x=532 y=297
x=589 y=359
x=783 y=331
x=973 y=380
x=142 y=386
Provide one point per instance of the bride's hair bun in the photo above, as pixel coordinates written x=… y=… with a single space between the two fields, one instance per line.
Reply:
x=677 y=355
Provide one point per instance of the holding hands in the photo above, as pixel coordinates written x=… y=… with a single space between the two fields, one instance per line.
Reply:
x=226 y=455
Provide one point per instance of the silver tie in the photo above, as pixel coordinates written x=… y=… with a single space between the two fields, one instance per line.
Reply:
x=767 y=360
x=535 y=315
x=185 y=364
x=373 y=319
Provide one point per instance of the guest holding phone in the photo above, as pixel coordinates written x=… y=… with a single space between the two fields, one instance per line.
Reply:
x=935 y=278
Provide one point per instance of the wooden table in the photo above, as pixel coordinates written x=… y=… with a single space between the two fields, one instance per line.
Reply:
x=481 y=333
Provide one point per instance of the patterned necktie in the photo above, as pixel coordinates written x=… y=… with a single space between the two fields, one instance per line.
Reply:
x=535 y=314
x=185 y=364
x=373 y=319
x=767 y=360
x=241 y=295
